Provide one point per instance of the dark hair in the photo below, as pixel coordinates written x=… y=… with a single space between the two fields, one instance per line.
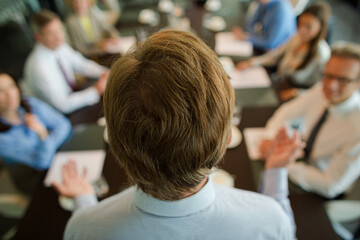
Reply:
x=321 y=11
x=23 y=103
x=41 y=19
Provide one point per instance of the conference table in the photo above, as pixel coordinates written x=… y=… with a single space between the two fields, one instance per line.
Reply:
x=45 y=218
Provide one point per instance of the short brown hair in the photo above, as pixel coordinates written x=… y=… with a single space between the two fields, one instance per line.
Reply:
x=343 y=49
x=41 y=19
x=168 y=105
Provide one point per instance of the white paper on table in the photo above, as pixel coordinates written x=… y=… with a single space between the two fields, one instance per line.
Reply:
x=256 y=77
x=93 y=161
x=227 y=44
x=123 y=45
x=253 y=138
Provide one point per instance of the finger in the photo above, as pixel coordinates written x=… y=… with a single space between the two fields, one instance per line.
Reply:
x=84 y=175
x=65 y=174
x=72 y=167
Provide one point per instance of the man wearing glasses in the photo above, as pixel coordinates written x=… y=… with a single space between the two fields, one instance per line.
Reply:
x=328 y=118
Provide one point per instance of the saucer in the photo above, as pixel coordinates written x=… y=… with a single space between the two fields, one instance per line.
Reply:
x=215 y=24
x=148 y=16
x=213 y=5
x=166 y=6
x=66 y=203
x=106 y=138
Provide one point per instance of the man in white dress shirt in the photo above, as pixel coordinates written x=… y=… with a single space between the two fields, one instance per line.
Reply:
x=172 y=128
x=50 y=69
x=333 y=163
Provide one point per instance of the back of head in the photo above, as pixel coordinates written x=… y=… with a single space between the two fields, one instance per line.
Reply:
x=168 y=106
x=41 y=19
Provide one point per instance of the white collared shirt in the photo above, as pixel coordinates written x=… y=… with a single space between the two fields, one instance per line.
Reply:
x=45 y=80
x=215 y=212
x=335 y=157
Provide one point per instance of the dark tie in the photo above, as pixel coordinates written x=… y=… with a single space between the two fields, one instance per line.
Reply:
x=311 y=140
x=62 y=69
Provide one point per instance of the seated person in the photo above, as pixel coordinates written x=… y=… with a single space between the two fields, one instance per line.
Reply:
x=50 y=69
x=172 y=128
x=30 y=132
x=273 y=23
x=301 y=60
x=88 y=30
x=332 y=154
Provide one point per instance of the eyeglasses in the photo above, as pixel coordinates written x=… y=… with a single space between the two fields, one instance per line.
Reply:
x=341 y=80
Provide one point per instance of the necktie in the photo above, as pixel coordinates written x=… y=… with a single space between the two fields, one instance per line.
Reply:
x=62 y=69
x=311 y=140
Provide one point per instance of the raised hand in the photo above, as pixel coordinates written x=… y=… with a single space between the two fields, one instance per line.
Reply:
x=284 y=149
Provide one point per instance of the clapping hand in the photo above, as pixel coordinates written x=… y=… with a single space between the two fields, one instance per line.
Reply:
x=284 y=149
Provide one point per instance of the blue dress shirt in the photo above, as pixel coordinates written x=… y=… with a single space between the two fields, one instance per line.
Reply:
x=214 y=212
x=271 y=25
x=22 y=145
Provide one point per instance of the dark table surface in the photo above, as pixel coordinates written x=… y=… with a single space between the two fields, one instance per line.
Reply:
x=45 y=219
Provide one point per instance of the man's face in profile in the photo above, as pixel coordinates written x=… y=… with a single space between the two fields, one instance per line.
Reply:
x=51 y=35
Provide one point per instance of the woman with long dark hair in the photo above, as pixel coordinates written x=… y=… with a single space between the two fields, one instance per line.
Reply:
x=30 y=131
x=300 y=61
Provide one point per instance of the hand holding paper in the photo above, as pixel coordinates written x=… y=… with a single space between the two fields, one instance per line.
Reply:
x=73 y=184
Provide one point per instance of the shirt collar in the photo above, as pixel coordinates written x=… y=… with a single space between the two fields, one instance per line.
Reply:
x=347 y=106
x=183 y=207
x=45 y=50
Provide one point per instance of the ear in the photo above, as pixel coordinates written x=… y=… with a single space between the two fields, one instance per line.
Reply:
x=230 y=137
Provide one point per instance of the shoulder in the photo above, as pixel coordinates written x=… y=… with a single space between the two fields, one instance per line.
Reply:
x=95 y=221
x=254 y=204
x=34 y=56
x=281 y=5
x=324 y=49
x=71 y=18
x=35 y=102
x=114 y=205
x=249 y=210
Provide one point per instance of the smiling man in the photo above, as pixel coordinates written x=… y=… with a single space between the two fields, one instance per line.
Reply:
x=328 y=117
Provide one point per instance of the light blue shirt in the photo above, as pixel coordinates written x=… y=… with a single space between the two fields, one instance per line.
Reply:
x=214 y=212
x=272 y=24
x=22 y=145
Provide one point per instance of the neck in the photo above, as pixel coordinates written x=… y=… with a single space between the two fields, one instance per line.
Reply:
x=196 y=189
x=11 y=116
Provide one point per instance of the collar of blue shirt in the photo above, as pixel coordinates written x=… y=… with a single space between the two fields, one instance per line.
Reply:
x=180 y=208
